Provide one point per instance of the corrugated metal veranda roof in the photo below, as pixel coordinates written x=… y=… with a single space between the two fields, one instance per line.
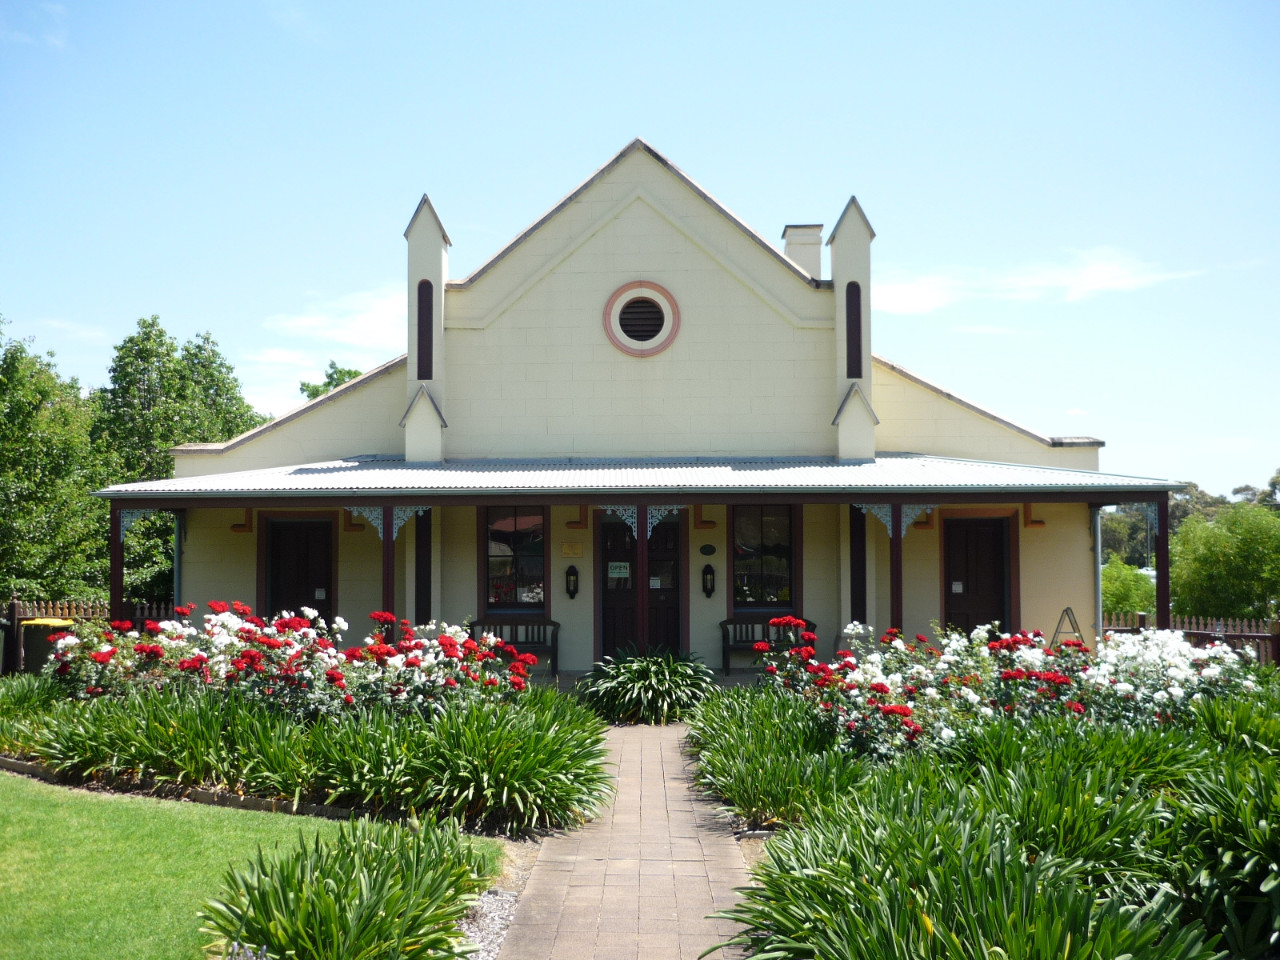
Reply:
x=377 y=475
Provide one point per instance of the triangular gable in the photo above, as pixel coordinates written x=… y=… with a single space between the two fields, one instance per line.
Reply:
x=605 y=218
x=632 y=147
x=854 y=206
x=425 y=205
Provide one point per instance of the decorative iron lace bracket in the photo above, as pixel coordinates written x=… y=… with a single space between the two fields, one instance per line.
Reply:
x=884 y=513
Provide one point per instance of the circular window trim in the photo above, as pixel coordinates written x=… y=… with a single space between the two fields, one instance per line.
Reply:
x=641 y=289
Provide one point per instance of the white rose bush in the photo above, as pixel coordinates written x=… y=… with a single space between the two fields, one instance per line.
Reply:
x=921 y=693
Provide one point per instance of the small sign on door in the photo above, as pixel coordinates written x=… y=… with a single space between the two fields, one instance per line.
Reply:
x=619 y=569
x=320 y=593
x=957 y=586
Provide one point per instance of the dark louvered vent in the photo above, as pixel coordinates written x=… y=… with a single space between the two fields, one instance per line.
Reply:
x=641 y=319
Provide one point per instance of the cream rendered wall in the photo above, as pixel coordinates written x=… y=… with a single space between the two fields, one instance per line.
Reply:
x=921 y=600
x=532 y=372
x=359 y=577
x=1058 y=568
x=364 y=418
x=705 y=613
x=218 y=564
x=820 y=568
x=916 y=419
x=457 y=564
x=570 y=547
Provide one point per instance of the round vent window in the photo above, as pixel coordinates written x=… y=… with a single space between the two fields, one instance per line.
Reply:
x=641 y=319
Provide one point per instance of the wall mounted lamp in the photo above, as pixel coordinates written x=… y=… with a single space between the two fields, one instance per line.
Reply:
x=708 y=580
x=571 y=582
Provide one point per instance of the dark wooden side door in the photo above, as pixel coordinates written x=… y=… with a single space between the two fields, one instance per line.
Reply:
x=663 y=577
x=619 y=596
x=299 y=566
x=976 y=583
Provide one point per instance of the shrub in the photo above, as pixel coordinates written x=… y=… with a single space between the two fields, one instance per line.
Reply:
x=1126 y=589
x=512 y=768
x=658 y=688
x=768 y=755
x=922 y=873
x=1229 y=849
x=378 y=890
x=23 y=696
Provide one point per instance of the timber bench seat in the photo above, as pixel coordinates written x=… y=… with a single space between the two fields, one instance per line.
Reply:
x=535 y=635
x=738 y=634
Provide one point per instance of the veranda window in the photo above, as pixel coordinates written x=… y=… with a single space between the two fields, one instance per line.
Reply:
x=763 y=558
x=516 y=559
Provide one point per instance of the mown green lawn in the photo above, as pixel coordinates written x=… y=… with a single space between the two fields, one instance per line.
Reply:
x=118 y=877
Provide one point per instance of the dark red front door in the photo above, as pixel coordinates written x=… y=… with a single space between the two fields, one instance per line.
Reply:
x=620 y=589
x=663 y=578
x=640 y=584
x=976 y=583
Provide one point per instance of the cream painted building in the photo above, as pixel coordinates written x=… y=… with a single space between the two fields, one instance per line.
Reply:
x=639 y=420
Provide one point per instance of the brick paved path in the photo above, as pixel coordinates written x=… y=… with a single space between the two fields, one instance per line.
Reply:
x=639 y=882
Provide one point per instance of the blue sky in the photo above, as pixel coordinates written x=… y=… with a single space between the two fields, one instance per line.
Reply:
x=1077 y=205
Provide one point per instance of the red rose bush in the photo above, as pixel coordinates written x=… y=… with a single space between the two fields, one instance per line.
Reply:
x=296 y=661
x=920 y=694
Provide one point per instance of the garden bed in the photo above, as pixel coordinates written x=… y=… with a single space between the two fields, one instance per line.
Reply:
x=1039 y=802
x=416 y=726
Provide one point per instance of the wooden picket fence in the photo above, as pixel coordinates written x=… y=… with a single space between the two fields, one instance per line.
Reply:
x=19 y=612
x=1262 y=635
x=84 y=610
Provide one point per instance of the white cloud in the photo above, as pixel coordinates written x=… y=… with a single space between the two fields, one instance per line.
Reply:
x=45 y=27
x=360 y=330
x=1085 y=273
x=1077 y=412
x=370 y=319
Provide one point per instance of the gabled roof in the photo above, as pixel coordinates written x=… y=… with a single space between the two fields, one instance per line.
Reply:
x=636 y=145
x=310 y=405
x=679 y=478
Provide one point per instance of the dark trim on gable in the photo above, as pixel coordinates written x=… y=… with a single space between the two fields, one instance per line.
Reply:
x=675 y=171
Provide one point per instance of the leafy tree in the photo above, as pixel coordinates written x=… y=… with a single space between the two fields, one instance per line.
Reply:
x=1193 y=502
x=159 y=396
x=1228 y=566
x=52 y=531
x=1127 y=534
x=335 y=376
x=1126 y=589
x=1267 y=497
